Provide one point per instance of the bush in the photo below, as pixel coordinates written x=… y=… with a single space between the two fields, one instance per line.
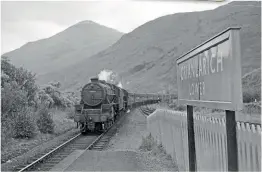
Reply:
x=252 y=108
x=251 y=94
x=6 y=129
x=177 y=107
x=70 y=113
x=44 y=99
x=45 y=122
x=12 y=98
x=59 y=99
x=148 y=143
x=217 y=110
x=181 y=108
x=23 y=124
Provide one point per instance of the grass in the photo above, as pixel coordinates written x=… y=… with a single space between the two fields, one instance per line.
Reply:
x=36 y=151
x=149 y=144
x=15 y=147
x=157 y=151
x=62 y=121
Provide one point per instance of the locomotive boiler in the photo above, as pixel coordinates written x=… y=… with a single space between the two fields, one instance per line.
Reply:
x=100 y=104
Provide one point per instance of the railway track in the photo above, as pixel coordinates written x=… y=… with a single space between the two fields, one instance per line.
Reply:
x=93 y=141
x=146 y=110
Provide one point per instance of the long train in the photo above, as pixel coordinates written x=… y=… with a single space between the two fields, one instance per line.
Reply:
x=101 y=103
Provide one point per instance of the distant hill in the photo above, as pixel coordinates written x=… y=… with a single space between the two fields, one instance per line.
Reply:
x=68 y=47
x=251 y=83
x=146 y=57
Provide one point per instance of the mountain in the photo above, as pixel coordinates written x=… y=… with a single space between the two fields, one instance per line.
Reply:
x=68 y=47
x=251 y=83
x=146 y=57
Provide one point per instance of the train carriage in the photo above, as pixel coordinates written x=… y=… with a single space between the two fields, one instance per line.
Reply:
x=125 y=98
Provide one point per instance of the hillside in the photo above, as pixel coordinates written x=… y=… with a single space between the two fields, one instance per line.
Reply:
x=146 y=57
x=68 y=47
x=251 y=83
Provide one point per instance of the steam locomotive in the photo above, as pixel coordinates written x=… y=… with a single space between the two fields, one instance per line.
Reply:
x=100 y=104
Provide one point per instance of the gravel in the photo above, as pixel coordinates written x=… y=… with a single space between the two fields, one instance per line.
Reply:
x=129 y=139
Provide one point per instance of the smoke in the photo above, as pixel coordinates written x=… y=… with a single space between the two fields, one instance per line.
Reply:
x=120 y=85
x=110 y=77
x=105 y=75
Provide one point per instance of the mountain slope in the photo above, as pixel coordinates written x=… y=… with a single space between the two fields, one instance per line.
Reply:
x=251 y=83
x=146 y=57
x=74 y=44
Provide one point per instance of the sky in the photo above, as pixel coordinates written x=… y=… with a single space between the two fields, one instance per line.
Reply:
x=23 y=22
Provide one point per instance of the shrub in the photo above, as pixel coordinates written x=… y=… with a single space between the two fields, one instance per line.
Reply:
x=59 y=99
x=181 y=108
x=72 y=97
x=45 y=122
x=6 y=129
x=12 y=98
x=251 y=108
x=70 y=113
x=148 y=143
x=23 y=124
x=44 y=99
x=217 y=110
x=251 y=94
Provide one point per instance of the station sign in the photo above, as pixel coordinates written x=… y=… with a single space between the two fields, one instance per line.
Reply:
x=210 y=74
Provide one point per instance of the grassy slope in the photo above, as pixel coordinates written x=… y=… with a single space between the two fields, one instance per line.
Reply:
x=252 y=79
x=146 y=57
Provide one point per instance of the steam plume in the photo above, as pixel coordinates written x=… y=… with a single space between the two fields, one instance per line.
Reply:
x=110 y=77
x=120 y=85
x=105 y=75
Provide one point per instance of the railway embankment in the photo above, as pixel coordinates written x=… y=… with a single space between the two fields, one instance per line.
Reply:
x=20 y=151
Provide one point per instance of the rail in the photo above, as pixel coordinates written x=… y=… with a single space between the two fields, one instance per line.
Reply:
x=146 y=110
x=48 y=155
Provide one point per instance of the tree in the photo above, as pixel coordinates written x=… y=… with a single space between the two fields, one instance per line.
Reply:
x=24 y=79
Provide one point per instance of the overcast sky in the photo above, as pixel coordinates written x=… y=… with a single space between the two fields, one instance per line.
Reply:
x=29 y=21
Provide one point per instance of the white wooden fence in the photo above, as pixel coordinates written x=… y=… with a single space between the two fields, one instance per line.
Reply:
x=170 y=128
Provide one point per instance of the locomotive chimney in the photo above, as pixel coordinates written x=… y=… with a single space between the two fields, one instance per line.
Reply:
x=94 y=79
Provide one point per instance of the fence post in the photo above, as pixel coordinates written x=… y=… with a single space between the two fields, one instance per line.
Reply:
x=232 y=159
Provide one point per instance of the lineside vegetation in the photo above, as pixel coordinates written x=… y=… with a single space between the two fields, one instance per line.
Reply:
x=28 y=109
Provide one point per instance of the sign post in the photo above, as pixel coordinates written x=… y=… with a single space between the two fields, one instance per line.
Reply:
x=191 y=139
x=210 y=76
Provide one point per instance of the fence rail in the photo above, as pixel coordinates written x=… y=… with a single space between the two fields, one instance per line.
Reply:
x=170 y=128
